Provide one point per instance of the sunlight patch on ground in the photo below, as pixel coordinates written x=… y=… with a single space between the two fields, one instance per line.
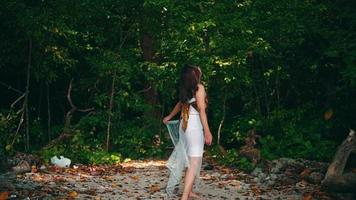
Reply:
x=144 y=163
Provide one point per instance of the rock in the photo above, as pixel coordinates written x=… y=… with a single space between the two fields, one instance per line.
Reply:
x=315 y=177
x=22 y=167
x=224 y=176
x=262 y=176
x=208 y=167
x=286 y=180
x=43 y=167
x=290 y=161
x=277 y=165
x=20 y=157
x=286 y=164
x=259 y=175
x=273 y=176
x=301 y=185
x=270 y=182
x=305 y=173
x=256 y=171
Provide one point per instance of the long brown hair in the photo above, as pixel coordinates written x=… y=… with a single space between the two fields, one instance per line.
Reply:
x=189 y=80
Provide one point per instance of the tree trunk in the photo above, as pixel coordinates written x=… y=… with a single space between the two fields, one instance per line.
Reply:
x=151 y=95
x=110 y=111
x=48 y=114
x=223 y=117
x=40 y=96
x=335 y=180
x=27 y=136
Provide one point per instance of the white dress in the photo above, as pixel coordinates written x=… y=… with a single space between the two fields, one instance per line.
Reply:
x=188 y=151
x=194 y=134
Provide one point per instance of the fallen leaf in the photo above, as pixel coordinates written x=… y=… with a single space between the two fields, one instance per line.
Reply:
x=328 y=114
x=134 y=178
x=128 y=169
x=236 y=184
x=162 y=167
x=256 y=190
x=225 y=170
x=109 y=178
x=4 y=195
x=305 y=173
x=154 y=188
x=308 y=197
x=95 y=173
x=91 y=192
x=73 y=194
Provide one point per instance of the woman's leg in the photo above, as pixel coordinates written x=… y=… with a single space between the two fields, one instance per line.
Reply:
x=190 y=176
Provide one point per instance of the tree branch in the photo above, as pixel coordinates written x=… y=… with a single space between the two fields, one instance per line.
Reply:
x=18 y=99
x=10 y=87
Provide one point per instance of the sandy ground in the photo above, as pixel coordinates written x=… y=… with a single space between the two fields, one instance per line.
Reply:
x=142 y=180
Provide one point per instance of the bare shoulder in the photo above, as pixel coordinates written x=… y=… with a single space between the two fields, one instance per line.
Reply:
x=201 y=88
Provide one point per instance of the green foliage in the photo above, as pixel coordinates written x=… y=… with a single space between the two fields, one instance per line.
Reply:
x=57 y=150
x=8 y=127
x=276 y=66
x=80 y=150
x=245 y=165
x=137 y=141
x=296 y=134
x=105 y=158
x=231 y=159
x=239 y=128
x=295 y=146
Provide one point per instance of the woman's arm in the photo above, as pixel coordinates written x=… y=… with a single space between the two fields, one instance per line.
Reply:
x=175 y=110
x=200 y=97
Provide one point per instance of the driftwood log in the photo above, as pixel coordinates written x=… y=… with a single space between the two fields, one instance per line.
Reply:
x=335 y=179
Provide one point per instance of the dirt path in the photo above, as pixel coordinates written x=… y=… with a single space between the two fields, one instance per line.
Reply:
x=147 y=180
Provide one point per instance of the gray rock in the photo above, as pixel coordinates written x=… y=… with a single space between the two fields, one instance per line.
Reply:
x=315 y=177
x=273 y=176
x=256 y=171
x=277 y=165
x=262 y=176
x=270 y=182
x=22 y=167
x=301 y=185
x=224 y=176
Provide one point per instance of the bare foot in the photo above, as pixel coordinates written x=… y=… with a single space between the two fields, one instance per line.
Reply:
x=194 y=195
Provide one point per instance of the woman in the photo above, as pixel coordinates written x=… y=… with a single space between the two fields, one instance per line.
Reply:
x=193 y=128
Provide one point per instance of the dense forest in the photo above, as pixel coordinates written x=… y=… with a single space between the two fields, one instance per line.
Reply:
x=92 y=79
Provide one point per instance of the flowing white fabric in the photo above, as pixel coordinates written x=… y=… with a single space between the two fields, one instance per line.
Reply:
x=180 y=158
